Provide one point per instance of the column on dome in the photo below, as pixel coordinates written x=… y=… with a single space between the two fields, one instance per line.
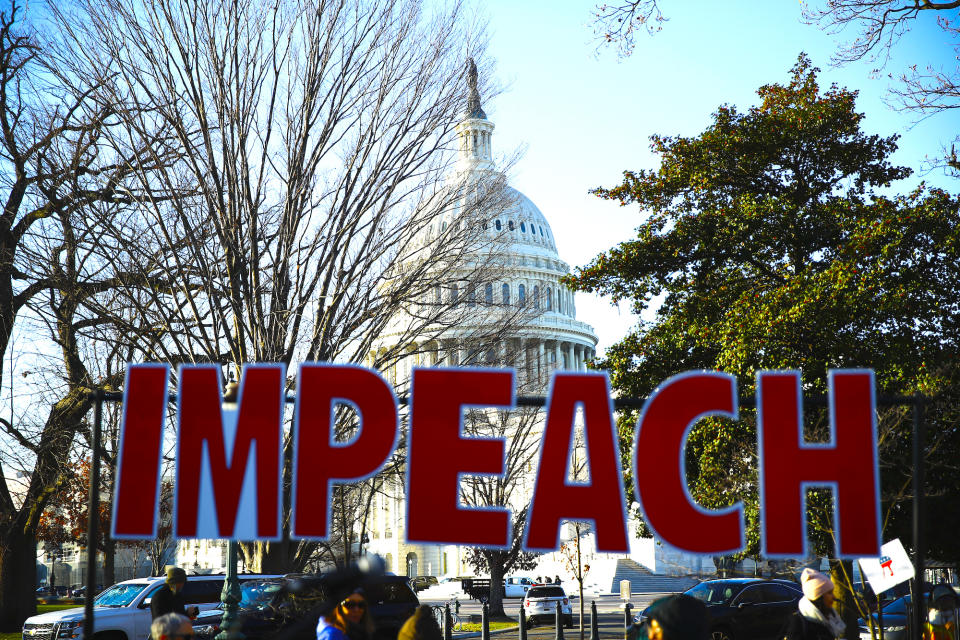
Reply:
x=572 y=357
x=558 y=354
x=579 y=351
x=541 y=360
x=522 y=373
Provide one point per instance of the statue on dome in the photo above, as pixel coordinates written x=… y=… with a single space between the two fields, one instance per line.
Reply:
x=474 y=110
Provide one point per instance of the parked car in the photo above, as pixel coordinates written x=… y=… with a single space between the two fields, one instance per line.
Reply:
x=419 y=583
x=123 y=610
x=744 y=608
x=516 y=587
x=293 y=605
x=540 y=605
x=895 y=615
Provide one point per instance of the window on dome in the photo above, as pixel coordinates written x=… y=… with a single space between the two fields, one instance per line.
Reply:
x=521 y=295
x=533 y=231
x=488 y=293
x=523 y=227
x=559 y=302
x=549 y=300
x=541 y=230
x=454 y=294
x=471 y=297
x=536 y=297
x=510 y=224
x=490 y=356
x=437 y=295
x=498 y=225
x=443 y=227
x=505 y=291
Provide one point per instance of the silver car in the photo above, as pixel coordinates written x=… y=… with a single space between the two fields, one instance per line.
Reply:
x=540 y=604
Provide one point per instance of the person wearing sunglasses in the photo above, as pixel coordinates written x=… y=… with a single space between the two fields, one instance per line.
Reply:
x=349 y=620
x=172 y=626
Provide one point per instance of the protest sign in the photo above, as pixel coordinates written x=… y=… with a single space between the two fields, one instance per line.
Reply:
x=892 y=567
x=230 y=470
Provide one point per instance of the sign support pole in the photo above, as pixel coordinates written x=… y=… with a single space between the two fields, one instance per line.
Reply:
x=93 y=520
x=919 y=550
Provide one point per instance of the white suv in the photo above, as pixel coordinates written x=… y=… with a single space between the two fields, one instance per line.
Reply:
x=122 y=612
x=540 y=604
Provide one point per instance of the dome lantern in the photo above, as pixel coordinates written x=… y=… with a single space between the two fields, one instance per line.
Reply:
x=474 y=131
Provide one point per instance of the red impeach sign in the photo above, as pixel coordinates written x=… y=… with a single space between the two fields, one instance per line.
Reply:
x=229 y=463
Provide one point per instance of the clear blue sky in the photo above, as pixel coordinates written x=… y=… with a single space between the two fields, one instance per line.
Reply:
x=583 y=117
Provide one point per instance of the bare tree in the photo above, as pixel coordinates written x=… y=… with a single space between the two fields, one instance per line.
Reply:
x=314 y=139
x=55 y=168
x=617 y=24
x=924 y=88
x=521 y=430
x=572 y=554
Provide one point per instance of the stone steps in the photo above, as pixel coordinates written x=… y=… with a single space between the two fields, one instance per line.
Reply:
x=643 y=581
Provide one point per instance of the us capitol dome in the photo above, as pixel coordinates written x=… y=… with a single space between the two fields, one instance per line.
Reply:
x=524 y=274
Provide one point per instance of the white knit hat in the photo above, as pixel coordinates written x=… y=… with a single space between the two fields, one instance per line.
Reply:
x=815 y=584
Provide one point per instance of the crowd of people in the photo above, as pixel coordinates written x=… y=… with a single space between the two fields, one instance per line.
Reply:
x=677 y=617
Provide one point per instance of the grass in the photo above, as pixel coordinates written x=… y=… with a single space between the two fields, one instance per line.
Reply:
x=45 y=608
x=475 y=626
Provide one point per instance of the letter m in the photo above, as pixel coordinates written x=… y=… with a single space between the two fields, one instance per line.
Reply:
x=229 y=462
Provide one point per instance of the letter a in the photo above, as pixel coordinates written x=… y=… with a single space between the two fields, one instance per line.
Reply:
x=600 y=498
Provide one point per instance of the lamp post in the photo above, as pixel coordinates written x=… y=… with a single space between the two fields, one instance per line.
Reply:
x=230 y=596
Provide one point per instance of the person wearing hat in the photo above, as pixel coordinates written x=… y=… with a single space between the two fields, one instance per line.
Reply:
x=169 y=597
x=679 y=617
x=941 y=620
x=349 y=620
x=420 y=626
x=815 y=618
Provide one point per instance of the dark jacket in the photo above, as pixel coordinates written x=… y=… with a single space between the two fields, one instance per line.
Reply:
x=799 y=628
x=165 y=601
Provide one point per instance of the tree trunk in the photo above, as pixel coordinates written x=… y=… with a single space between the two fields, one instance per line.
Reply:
x=496 y=588
x=841 y=572
x=109 y=560
x=18 y=579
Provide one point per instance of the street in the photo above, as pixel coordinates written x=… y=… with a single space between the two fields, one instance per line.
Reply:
x=609 y=612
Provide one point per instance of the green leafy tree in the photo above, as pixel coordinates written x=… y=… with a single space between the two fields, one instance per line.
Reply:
x=765 y=246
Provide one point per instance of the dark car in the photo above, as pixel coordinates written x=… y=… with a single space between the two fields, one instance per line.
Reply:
x=745 y=608
x=895 y=616
x=293 y=605
x=419 y=583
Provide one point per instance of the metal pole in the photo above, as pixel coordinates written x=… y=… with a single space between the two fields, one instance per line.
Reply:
x=919 y=550
x=627 y=619
x=594 y=623
x=93 y=511
x=230 y=596
x=523 y=623
x=559 y=620
x=447 y=626
x=485 y=622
